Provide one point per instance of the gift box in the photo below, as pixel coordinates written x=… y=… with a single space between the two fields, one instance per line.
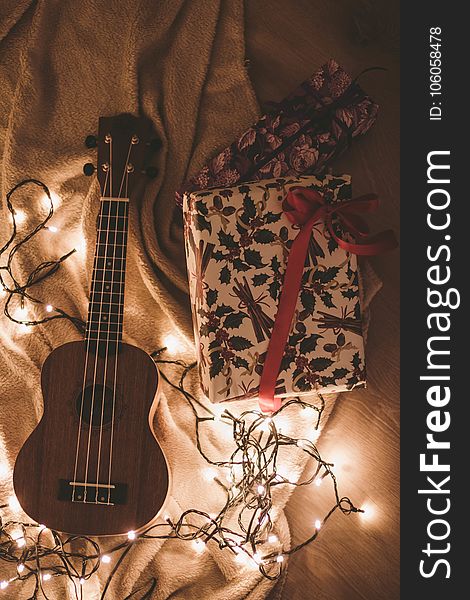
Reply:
x=314 y=123
x=238 y=241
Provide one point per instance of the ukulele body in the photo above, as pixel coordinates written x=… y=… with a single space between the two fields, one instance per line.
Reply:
x=119 y=480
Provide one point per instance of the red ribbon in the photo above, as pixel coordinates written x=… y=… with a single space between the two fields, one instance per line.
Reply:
x=307 y=207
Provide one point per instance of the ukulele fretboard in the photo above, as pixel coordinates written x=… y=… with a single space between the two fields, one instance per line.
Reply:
x=106 y=308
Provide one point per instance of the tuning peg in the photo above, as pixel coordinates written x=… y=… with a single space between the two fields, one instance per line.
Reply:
x=91 y=141
x=151 y=172
x=155 y=144
x=89 y=169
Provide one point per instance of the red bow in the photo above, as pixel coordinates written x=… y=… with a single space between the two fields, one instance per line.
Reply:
x=306 y=207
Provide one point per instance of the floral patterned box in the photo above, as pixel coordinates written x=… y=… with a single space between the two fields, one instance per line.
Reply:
x=237 y=244
x=300 y=135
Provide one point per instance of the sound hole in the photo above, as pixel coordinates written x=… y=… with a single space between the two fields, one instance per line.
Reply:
x=101 y=399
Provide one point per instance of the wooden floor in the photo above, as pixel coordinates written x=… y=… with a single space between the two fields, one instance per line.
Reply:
x=355 y=557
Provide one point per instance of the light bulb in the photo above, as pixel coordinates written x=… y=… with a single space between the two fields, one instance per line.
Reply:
x=309 y=412
x=209 y=474
x=46 y=576
x=265 y=426
x=272 y=539
x=280 y=558
x=318 y=481
x=261 y=489
x=56 y=201
x=13 y=503
x=3 y=585
x=4 y=470
x=20 y=542
x=302 y=444
x=52 y=228
x=105 y=559
x=199 y=545
x=172 y=344
x=49 y=308
x=318 y=524
x=369 y=512
x=20 y=217
x=131 y=535
x=20 y=568
x=81 y=581
x=218 y=412
x=257 y=558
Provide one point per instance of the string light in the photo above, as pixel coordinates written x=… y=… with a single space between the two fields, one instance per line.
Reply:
x=20 y=568
x=14 y=289
x=52 y=228
x=253 y=460
x=49 y=308
x=3 y=584
x=105 y=559
x=317 y=524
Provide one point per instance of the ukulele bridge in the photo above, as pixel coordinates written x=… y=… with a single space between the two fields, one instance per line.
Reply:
x=92 y=493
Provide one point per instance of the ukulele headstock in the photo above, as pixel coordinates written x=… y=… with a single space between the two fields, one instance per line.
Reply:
x=124 y=144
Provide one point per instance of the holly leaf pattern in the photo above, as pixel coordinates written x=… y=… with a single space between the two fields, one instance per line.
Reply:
x=240 y=362
x=211 y=297
x=217 y=364
x=309 y=344
x=202 y=224
x=223 y=310
x=225 y=275
x=308 y=302
x=327 y=275
x=271 y=217
x=320 y=364
x=237 y=342
x=356 y=360
x=350 y=293
x=253 y=258
x=234 y=320
x=340 y=373
x=260 y=279
x=264 y=236
x=226 y=239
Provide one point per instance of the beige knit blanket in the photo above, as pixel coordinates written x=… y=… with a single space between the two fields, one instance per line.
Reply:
x=64 y=63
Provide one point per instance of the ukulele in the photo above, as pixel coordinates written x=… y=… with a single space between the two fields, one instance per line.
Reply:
x=93 y=466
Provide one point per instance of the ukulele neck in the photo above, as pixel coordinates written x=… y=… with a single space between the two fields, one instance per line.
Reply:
x=106 y=308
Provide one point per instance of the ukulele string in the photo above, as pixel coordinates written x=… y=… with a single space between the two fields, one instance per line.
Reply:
x=85 y=370
x=116 y=354
x=98 y=335
x=109 y=321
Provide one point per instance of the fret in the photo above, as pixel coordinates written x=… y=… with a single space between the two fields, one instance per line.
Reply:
x=108 y=300
x=102 y=329
x=112 y=238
